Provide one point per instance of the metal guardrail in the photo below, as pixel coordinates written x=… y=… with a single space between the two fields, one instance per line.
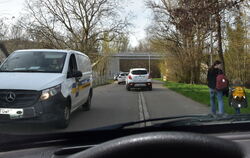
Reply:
x=99 y=80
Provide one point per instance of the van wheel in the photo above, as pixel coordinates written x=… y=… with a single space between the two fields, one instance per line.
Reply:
x=86 y=106
x=64 y=118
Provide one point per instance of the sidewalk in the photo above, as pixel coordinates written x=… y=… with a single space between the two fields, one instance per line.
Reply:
x=164 y=102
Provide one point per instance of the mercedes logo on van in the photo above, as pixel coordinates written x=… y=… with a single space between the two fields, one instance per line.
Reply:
x=10 y=97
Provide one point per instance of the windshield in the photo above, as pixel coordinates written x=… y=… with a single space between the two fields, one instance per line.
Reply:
x=34 y=62
x=76 y=65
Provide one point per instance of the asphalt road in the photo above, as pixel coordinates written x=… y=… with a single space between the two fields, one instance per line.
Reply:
x=112 y=104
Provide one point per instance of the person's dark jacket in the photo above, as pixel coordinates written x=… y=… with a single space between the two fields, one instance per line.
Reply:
x=211 y=77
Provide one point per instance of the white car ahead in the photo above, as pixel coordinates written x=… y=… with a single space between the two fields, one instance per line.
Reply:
x=138 y=78
x=122 y=77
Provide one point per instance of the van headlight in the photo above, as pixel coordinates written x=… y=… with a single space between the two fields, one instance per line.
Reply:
x=50 y=92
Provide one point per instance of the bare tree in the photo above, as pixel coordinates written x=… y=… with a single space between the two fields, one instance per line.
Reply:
x=3 y=36
x=237 y=53
x=218 y=9
x=75 y=24
x=183 y=27
x=4 y=50
x=3 y=29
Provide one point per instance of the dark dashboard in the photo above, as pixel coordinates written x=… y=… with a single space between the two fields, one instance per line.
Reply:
x=189 y=141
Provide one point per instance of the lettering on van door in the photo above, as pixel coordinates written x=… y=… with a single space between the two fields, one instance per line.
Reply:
x=80 y=85
x=75 y=88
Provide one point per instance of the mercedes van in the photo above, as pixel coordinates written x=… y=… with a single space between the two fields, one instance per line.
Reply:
x=44 y=85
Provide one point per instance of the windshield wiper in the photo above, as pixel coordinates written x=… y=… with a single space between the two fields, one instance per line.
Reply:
x=206 y=119
x=183 y=120
x=132 y=123
x=27 y=71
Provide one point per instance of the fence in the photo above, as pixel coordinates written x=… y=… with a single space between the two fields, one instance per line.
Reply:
x=99 y=80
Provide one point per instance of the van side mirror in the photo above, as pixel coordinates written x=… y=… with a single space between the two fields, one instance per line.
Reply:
x=75 y=74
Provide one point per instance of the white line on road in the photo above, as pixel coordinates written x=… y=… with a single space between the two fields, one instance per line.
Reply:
x=143 y=110
x=141 y=115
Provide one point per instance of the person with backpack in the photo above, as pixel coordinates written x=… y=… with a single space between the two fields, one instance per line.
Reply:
x=217 y=84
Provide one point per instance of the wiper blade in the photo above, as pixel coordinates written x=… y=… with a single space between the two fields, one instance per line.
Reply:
x=26 y=71
x=183 y=120
x=132 y=123
x=5 y=71
x=211 y=119
x=240 y=118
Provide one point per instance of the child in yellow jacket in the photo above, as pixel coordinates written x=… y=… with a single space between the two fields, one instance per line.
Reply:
x=237 y=96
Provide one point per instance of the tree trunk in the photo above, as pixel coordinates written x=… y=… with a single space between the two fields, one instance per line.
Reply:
x=219 y=37
x=198 y=72
x=4 y=50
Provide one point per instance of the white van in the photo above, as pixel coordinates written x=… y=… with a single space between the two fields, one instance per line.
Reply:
x=44 y=85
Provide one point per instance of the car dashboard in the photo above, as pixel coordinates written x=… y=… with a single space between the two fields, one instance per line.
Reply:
x=65 y=145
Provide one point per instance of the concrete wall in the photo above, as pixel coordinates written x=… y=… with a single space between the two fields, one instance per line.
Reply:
x=127 y=64
x=113 y=66
x=116 y=65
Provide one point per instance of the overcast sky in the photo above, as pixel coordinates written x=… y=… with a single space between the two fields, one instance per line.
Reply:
x=12 y=8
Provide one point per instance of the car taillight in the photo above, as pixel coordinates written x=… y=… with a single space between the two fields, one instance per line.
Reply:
x=130 y=77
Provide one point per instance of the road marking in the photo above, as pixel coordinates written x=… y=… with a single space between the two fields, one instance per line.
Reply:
x=143 y=111
x=141 y=115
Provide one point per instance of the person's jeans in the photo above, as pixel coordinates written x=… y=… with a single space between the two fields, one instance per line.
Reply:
x=237 y=110
x=219 y=94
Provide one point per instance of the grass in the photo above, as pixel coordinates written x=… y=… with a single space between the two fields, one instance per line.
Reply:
x=158 y=79
x=200 y=93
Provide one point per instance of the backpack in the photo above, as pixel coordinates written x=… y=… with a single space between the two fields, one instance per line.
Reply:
x=221 y=82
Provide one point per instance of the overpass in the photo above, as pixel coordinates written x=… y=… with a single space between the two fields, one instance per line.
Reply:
x=125 y=61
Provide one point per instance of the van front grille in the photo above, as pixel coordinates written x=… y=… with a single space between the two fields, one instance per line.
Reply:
x=18 y=98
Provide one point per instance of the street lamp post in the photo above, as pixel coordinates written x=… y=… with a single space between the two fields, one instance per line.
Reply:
x=149 y=63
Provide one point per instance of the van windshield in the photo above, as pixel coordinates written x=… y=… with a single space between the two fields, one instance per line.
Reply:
x=47 y=62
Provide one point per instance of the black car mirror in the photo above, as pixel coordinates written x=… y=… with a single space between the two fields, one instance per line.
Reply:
x=77 y=74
